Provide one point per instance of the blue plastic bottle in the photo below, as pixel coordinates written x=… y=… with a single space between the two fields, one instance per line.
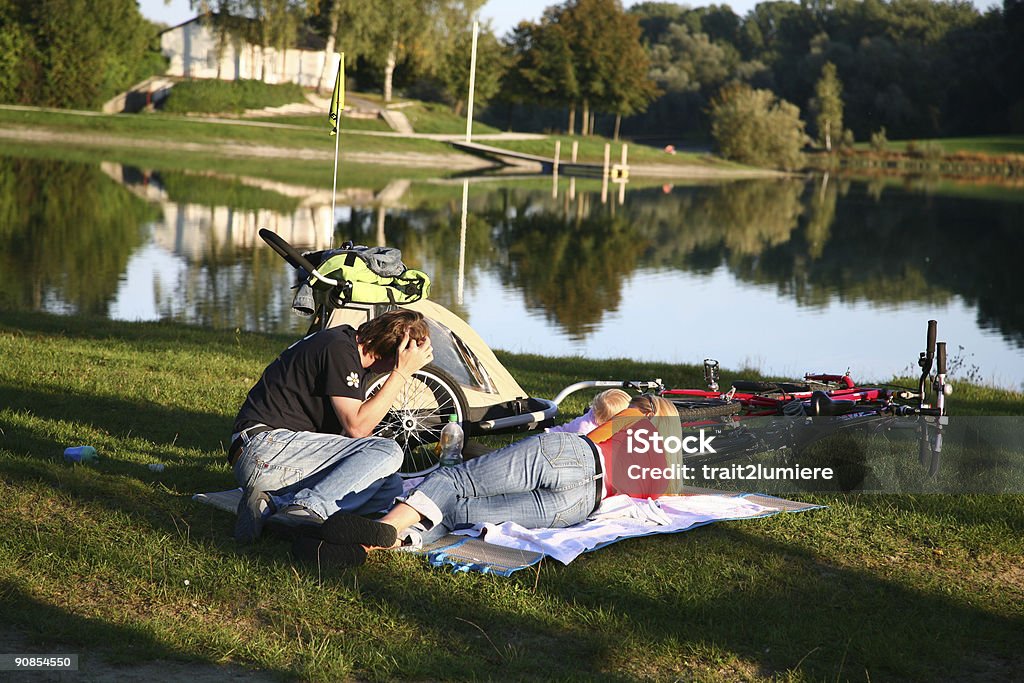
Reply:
x=81 y=454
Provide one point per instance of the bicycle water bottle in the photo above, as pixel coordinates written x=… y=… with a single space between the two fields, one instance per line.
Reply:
x=81 y=454
x=451 y=442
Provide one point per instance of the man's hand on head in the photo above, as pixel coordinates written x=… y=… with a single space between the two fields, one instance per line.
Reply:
x=413 y=355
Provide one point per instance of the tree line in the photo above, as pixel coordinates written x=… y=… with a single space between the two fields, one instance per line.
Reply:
x=918 y=68
x=840 y=70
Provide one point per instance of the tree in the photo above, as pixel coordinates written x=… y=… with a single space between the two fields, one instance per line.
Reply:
x=73 y=53
x=13 y=44
x=491 y=62
x=417 y=32
x=333 y=13
x=828 y=105
x=687 y=62
x=607 y=61
x=754 y=127
x=542 y=69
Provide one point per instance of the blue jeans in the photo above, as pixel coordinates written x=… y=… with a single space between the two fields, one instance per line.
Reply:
x=321 y=472
x=543 y=481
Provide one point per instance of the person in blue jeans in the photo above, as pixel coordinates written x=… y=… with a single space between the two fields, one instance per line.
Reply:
x=549 y=480
x=301 y=442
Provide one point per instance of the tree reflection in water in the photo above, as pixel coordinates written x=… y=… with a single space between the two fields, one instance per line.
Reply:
x=68 y=231
x=66 y=234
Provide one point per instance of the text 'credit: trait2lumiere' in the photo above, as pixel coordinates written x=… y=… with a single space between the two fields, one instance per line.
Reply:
x=643 y=442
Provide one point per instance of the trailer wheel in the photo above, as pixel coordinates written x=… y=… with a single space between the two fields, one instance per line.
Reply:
x=421 y=409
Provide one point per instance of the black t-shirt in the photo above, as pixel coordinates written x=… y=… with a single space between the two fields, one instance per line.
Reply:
x=294 y=391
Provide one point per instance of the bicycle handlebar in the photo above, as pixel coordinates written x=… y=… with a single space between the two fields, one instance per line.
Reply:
x=292 y=255
x=941 y=357
x=636 y=385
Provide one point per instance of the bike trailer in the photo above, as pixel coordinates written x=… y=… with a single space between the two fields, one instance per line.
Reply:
x=464 y=379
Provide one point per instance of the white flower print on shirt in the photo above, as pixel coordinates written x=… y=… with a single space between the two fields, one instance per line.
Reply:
x=352 y=380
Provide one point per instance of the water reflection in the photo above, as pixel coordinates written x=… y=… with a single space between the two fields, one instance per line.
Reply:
x=66 y=234
x=548 y=274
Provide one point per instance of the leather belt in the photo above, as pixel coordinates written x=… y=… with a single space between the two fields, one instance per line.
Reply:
x=243 y=438
x=598 y=473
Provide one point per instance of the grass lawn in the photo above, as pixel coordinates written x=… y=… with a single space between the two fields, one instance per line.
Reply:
x=429 y=117
x=320 y=122
x=305 y=132
x=170 y=127
x=304 y=172
x=986 y=144
x=114 y=561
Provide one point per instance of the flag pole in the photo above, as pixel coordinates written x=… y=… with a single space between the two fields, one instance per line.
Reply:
x=337 y=106
x=334 y=189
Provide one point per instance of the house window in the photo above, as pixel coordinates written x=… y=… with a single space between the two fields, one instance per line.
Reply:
x=211 y=59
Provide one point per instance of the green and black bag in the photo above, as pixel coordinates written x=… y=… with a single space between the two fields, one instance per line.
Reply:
x=365 y=275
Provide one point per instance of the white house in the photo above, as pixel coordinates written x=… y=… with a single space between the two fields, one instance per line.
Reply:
x=192 y=48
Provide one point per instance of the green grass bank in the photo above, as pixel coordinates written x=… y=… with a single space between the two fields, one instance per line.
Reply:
x=116 y=562
x=211 y=139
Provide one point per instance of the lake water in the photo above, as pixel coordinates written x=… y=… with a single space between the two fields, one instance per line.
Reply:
x=784 y=276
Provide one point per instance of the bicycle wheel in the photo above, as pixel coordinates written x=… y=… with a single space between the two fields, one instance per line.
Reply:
x=693 y=408
x=420 y=411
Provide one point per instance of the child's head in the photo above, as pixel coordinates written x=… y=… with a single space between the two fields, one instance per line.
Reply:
x=652 y=405
x=609 y=403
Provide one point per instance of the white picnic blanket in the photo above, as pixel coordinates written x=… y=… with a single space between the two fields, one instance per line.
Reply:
x=621 y=517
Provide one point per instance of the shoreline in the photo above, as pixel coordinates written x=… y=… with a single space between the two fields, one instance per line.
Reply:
x=458 y=161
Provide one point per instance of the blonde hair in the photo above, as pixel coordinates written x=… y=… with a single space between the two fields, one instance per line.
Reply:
x=608 y=403
x=665 y=416
x=652 y=405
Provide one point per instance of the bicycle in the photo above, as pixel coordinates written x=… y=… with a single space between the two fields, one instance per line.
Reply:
x=771 y=416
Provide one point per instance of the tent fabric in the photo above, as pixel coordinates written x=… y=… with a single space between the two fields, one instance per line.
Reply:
x=505 y=387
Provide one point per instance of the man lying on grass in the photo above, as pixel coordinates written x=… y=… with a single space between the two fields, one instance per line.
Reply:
x=301 y=441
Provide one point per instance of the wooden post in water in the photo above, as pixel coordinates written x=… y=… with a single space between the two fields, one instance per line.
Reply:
x=625 y=175
x=554 y=169
x=572 y=179
x=604 y=173
x=381 y=214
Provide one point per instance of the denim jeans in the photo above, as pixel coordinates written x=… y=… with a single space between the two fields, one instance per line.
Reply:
x=543 y=481
x=322 y=472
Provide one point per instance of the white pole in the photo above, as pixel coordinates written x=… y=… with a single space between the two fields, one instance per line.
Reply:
x=462 y=240
x=334 y=190
x=337 y=142
x=472 y=83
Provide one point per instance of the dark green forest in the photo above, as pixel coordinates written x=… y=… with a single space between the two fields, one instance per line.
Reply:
x=917 y=68
x=908 y=68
